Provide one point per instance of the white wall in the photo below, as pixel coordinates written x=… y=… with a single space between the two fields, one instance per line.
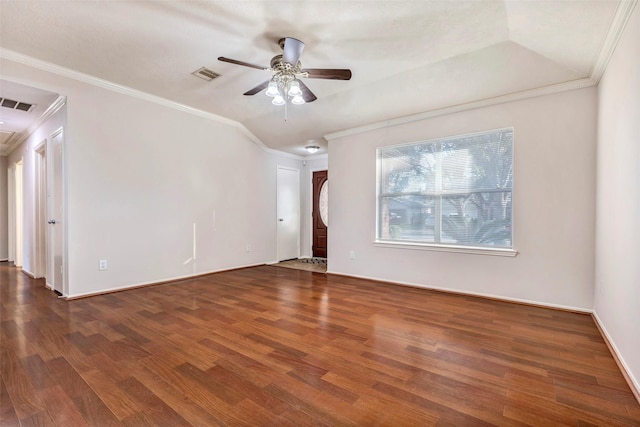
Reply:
x=617 y=280
x=4 y=217
x=140 y=175
x=315 y=164
x=554 y=204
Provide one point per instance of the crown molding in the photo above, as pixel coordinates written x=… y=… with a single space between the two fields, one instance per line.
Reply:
x=618 y=24
x=19 y=138
x=487 y=102
x=125 y=90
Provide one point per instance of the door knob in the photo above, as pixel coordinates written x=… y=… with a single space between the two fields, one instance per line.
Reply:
x=52 y=221
x=280 y=219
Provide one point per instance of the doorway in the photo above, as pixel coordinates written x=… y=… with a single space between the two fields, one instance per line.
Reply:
x=288 y=213
x=320 y=214
x=15 y=209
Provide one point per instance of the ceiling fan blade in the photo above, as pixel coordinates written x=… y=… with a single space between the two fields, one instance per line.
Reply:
x=307 y=95
x=246 y=64
x=328 y=73
x=292 y=50
x=262 y=86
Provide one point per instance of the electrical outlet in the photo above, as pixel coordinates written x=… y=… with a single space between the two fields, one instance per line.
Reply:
x=352 y=254
x=247 y=248
x=102 y=265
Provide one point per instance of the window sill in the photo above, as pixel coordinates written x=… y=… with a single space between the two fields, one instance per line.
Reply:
x=446 y=248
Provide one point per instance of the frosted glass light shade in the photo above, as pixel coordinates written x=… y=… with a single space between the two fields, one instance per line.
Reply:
x=312 y=148
x=297 y=100
x=272 y=89
x=294 y=89
x=278 y=100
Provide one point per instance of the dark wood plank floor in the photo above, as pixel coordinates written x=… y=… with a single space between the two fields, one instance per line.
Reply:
x=279 y=347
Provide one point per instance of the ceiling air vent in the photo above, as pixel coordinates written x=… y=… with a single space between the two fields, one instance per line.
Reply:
x=15 y=105
x=206 y=74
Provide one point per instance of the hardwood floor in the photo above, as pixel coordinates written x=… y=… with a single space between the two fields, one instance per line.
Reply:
x=278 y=347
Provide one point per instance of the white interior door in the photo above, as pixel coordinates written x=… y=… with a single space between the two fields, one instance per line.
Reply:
x=288 y=218
x=55 y=205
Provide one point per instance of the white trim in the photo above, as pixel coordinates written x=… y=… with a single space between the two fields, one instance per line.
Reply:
x=618 y=24
x=41 y=148
x=471 y=293
x=40 y=209
x=57 y=132
x=634 y=382
x=446 y=248
x=29 y=273
x=487 y=102
x=65 y=248
x=125 y=90
x=156 y=282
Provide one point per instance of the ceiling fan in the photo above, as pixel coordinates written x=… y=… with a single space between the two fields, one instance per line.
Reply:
x=287 y=69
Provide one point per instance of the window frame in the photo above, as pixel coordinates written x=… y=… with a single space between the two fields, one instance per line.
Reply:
x=439 y=246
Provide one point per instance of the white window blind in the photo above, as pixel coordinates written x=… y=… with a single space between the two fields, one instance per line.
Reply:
x=450 y=191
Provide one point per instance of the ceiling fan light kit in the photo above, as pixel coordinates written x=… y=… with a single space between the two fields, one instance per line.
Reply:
x=285 y=85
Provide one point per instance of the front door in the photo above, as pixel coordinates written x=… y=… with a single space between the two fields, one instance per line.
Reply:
x=320 y=213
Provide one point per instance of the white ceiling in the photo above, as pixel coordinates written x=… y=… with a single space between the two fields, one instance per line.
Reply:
x=407 y=57
x=14 y=122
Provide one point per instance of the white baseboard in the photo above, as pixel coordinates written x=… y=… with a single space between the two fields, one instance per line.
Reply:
x=475 y=294
x=28 y=273
x=634 y=385
x=156 y=282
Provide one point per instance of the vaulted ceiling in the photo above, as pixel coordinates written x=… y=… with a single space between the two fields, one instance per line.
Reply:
x=407 y=57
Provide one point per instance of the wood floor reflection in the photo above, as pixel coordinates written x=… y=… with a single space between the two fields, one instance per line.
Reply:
x=279 y=347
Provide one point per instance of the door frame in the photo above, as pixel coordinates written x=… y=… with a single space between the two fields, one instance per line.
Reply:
x=40 y=203
x=63 y=287
x=297 y=171
x=311 y=171
x=11 y=212
x=15 y=205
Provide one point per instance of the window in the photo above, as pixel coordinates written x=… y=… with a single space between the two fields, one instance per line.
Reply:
x=453 y=191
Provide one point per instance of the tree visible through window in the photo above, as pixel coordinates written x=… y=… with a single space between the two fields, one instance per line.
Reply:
x=450 y=191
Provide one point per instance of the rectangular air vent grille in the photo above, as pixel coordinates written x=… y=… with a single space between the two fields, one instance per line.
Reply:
x=206 y=74
x=15 y=105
